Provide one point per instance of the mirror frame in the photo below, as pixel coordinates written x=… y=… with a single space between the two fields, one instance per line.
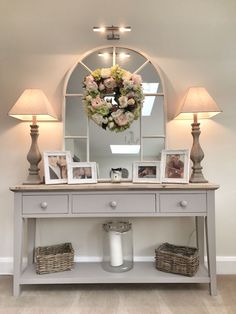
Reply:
x=80 y=61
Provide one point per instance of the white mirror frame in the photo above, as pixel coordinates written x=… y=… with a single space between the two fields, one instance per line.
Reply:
x=67 y=78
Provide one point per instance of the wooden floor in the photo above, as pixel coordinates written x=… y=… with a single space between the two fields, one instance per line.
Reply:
x=119 y=299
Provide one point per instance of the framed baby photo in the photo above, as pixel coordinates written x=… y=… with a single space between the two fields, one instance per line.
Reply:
x=82 y=172
x=175 y=166
x=146 y=171
x=56 y=166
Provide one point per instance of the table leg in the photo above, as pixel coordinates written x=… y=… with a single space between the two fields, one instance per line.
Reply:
x=210 y=241
x=18 y=245
x=31 y=239
x=200 y=237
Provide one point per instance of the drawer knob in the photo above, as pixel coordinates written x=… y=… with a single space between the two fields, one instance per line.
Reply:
x=183 y=203
x=113 y=204
x=44 y=205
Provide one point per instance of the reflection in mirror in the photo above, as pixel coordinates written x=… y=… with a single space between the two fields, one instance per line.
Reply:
x=77 y=147
x=145 y=137
x=150 y=75
x=103 y=146
x=152 y=148
x=75 y=117
x=154 y=123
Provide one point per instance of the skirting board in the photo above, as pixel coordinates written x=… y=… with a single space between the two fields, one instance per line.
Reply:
x=226 y=265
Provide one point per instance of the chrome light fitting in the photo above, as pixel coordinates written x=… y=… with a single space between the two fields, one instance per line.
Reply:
x=113 y=31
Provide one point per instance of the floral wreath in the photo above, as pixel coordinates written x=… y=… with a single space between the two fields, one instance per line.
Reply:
x=122 y=87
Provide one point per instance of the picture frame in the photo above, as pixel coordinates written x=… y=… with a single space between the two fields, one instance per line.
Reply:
x=175 y=166
x=56 y=166
x=146 y=172
x=82 y=172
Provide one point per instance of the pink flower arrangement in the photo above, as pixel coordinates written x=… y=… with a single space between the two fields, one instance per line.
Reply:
x=123 y=102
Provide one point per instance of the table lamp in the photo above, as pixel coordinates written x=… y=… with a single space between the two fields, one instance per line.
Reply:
x=197 y=104
x=33 y=106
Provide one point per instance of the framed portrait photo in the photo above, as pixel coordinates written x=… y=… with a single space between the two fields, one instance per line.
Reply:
x=82 y=172
x=175 y=166
x=146 y=171
x=56 y=166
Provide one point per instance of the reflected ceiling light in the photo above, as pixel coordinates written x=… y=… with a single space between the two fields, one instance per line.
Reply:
x=104 y=54
x=113 y=31
x=124 y=55
x=125 y=149
x=121 y=55
x=149 y=88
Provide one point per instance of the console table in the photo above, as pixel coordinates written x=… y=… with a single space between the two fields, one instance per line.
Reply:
x=113 y=200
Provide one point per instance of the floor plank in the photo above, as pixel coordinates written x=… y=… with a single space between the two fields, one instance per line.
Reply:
x=119 y=298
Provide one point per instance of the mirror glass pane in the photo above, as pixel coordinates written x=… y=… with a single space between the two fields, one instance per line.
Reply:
x=150 y=75
x=77 y=147
x=152 y=148
x=102 y=143
x=75 y=119
x=101 y=58
x=153 y=116
x=128 y=59
x=75 y=83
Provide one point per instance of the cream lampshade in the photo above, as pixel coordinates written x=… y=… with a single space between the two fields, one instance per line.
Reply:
x=197 y=104
x=33 y=106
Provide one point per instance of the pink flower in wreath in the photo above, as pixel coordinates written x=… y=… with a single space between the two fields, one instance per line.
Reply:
x=96 y=102
x=136 y=79
x=89 y=79
x=121 y=120
x=91 y=86
x=110 y=83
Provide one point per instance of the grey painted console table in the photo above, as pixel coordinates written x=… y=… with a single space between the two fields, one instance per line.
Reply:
x=113 y=200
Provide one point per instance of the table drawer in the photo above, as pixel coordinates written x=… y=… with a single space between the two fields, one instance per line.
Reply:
x=121 y=203
x=45 y=204
x=183 y=202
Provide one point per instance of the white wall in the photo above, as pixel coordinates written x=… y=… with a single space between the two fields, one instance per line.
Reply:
x=193 y=43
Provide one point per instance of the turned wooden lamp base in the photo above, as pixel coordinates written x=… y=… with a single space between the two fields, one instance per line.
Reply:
x=197 y=177
x=34 y=156
x=196 y=154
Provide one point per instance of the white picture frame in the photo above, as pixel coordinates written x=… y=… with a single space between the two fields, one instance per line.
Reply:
x=82 y=172
x=146 y=172
x=56 y=166
x=175 y=166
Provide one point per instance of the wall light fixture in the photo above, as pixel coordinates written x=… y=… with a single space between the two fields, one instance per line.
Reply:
x=113 y=31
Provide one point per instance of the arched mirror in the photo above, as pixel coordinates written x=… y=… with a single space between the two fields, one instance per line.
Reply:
x=89 y=142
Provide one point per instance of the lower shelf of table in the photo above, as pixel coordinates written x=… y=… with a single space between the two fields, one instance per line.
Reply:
x=142 y=272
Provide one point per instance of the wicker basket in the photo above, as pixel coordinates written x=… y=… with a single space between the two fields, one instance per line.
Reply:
x=176 y=259
x=54 y=258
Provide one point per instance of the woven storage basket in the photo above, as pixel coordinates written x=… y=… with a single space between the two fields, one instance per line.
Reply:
x=54 y=258
x=177 y=259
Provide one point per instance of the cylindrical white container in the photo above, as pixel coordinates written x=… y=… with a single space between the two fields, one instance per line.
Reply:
x=115 y=174
x=117 y=246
